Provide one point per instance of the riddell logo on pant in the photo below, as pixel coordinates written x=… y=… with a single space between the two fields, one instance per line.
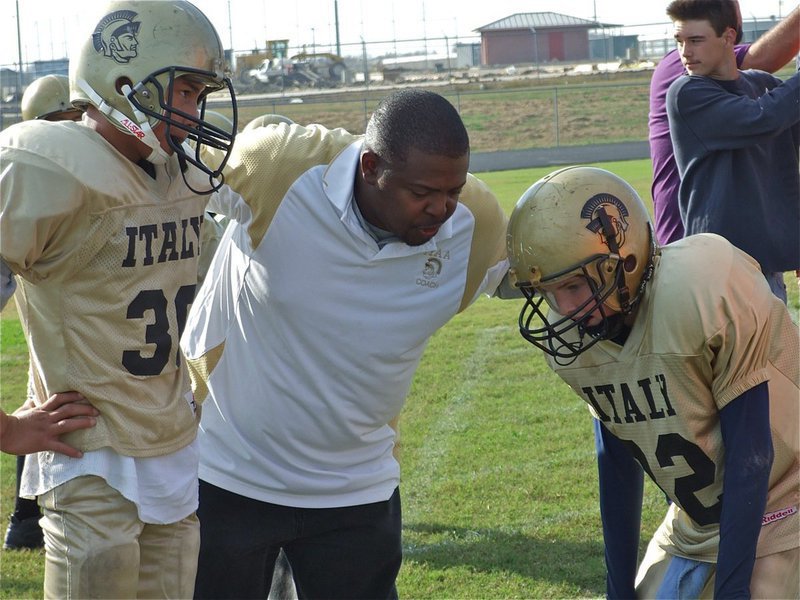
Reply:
x=778 y=515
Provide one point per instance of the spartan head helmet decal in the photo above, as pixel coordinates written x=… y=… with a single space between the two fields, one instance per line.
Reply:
x=432 y=268
x=115 y=36
x=608 y=217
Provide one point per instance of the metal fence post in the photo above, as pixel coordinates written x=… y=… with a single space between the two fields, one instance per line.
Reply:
x=555 y=114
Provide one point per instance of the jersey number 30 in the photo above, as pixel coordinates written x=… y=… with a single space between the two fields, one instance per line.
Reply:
x=157 y=333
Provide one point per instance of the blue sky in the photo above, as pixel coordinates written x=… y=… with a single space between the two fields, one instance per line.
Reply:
x=47 y=24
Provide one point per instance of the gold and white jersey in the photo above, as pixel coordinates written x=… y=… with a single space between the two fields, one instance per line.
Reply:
x=107 y=257
x=707 y=330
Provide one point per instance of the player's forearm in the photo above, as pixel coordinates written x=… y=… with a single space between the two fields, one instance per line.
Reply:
x=777 y=47
x=5 y=423
x=621 y=488
x=748 y=460
x=12 y=434
x=7 y=283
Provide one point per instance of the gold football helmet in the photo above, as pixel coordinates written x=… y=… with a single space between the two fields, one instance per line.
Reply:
x=47 y=98
x=267 y=119
x=580 y=221
x=218 y=119
x=126 y=68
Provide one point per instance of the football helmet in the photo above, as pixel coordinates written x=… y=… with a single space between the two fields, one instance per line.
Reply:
x=218 y=119
x=127 y=66
x=586 y=222
x=267 y=119
x=47 y=97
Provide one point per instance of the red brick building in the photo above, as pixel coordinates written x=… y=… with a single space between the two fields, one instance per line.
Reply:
x=536 y=38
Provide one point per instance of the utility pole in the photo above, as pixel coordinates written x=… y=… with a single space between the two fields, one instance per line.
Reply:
x=424 y=34
x=230 y=36
x=336 y=23
x=19 y=54
x=365 y=62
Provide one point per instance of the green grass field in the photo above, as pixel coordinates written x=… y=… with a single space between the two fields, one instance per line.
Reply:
x=499 y=477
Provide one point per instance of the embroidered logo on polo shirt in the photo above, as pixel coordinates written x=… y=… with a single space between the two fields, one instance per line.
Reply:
x=434 y=261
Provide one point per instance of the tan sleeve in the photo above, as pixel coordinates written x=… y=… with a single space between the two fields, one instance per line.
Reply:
x=488 y=239
x=40 y=209
x=268 y=160
x=741 y=346
x=200 y=370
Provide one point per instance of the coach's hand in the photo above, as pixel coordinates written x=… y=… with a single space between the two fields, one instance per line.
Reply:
x=35 y=428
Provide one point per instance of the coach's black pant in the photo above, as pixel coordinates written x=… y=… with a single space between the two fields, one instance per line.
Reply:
x=349 y=552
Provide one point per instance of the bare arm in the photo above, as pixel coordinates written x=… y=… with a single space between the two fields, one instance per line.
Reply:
x=35 y=428
x=777 y=47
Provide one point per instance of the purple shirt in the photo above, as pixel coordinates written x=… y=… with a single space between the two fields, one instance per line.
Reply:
x=666 y=180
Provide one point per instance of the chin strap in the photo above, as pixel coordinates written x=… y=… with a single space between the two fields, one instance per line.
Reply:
x=141 y=130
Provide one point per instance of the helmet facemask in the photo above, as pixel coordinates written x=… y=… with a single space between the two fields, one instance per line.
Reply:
x=552 y=337
x=197 y=129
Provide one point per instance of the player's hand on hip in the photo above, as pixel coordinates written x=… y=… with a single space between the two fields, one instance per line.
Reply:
x=36 y=428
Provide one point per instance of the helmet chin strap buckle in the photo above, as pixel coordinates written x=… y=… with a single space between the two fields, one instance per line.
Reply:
x=158 y=156
x=140 y=130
